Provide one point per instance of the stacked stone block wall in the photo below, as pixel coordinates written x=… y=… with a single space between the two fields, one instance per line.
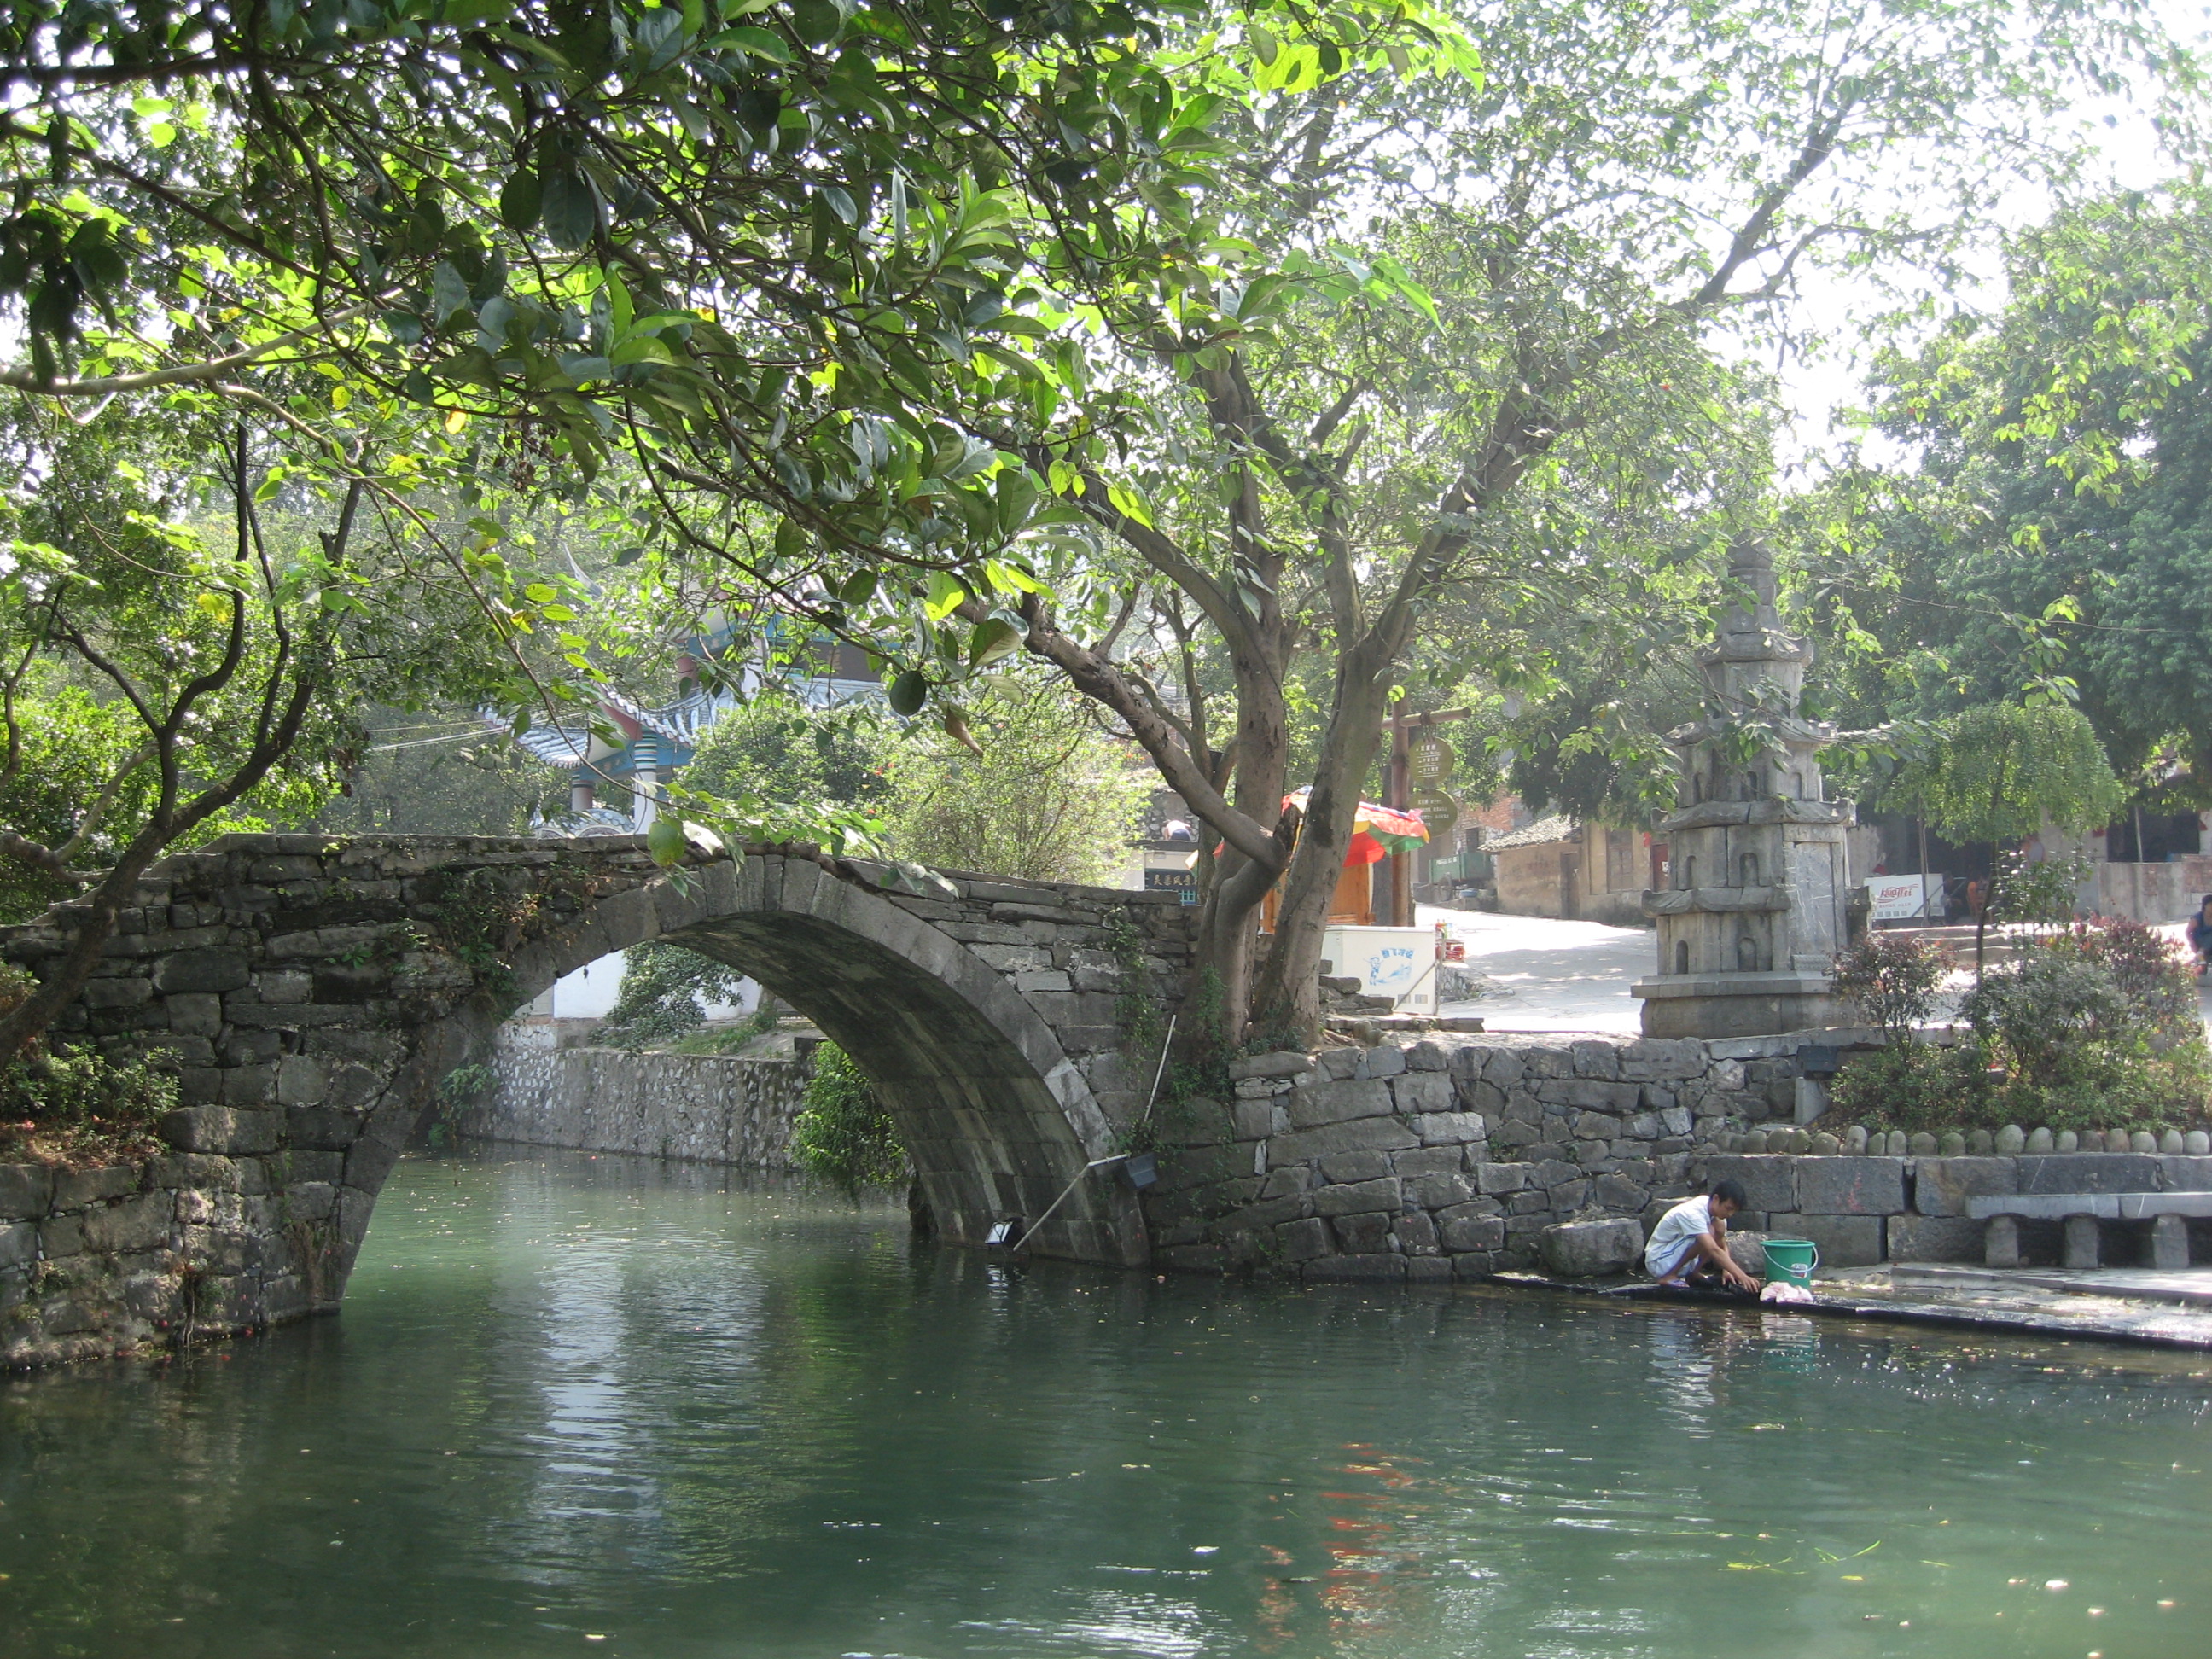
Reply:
x=700 y=1109
x=1449 y=1156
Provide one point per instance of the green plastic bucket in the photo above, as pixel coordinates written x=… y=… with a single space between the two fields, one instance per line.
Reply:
x=1791 y=1260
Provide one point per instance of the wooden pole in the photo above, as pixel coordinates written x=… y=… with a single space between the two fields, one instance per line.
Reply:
x=1398 y=794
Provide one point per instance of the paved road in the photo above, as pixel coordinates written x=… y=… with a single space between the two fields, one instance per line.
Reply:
x=1548 y=975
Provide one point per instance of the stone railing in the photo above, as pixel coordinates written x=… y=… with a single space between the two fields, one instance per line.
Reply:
x=1861 y=1210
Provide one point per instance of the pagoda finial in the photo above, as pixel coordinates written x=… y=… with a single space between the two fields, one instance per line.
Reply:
x=1751 y=566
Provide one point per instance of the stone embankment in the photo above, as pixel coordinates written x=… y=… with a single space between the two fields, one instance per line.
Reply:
x=1451 y=1156
x=1864 y=1211
x=701 y=1109
x=1461 y=1157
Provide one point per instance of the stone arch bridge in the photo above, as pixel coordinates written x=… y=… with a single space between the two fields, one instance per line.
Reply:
x=315 y=991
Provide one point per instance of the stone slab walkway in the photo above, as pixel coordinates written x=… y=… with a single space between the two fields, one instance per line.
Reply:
x=2104 y=1304
x=2189 y=1286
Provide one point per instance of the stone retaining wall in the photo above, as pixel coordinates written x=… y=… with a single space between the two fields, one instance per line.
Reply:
x=101 y=1261
x=1861 y=1210
x=1449 y=1156
x=701 y=1109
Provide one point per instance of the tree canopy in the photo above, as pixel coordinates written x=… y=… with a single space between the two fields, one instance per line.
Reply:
x=2052 y=524
x=1156 y=342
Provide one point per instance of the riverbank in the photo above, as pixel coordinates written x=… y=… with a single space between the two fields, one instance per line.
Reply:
x=548 y=1087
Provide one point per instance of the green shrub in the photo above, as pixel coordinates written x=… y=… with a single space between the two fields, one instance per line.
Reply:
x=458 y=1090
x=76 y=1106
x=1912 y=1087
x=2095 y=1027
x=1892 y=979
x=844 y=1136
x=733 y=1039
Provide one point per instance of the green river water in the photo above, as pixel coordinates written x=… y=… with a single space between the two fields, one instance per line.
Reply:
x=595 y=1406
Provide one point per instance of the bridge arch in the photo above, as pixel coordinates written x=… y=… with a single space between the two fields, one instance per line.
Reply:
x=996 y=1115
x=315 y=991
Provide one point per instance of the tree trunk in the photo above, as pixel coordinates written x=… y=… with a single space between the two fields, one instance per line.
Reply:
x=23 y=1024
x=1228 y=933
x=1286 y=997
x=1982 y=915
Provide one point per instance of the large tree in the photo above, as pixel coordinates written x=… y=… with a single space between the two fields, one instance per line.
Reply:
x=408 y=257
x=1446 y=331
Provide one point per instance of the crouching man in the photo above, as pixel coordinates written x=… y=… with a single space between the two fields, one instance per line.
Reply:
x=1689 y=1246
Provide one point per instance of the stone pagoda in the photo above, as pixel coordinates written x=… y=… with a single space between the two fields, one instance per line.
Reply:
x=1758 y=903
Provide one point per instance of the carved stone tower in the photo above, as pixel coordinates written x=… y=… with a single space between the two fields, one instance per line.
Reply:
x=1759 y=900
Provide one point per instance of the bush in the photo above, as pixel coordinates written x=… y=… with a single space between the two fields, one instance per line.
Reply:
x=2098 y=1025
x=2095 y=1027
x=77 y=1106
x=1911 y=1086
x=844 y=1136
x=665 y=990
x=2152 y=971
x=1892 y=979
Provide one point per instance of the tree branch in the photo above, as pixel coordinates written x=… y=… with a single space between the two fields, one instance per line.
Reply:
x=1101 y=682
x=214 y=368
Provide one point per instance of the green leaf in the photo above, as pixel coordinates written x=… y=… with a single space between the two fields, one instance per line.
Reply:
x=818 y=22
x=449 y=292
x=521 y=200
x=758 y=42
x=665 y=840
x=947 y=593
x=992 y=639
x=1127 y=502
x=907 y=692
x=571 y=210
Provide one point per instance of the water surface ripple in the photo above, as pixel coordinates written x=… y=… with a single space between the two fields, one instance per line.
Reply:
x=582 y=1405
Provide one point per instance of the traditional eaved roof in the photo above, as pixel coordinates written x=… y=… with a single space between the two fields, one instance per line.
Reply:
x=1558 y=827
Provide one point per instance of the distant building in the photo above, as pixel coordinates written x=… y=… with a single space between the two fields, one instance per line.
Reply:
x=1556 y=867
x=653 y=744
x=2148 y=866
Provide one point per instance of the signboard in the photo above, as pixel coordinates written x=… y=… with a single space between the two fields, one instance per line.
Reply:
x=1398 y=962
x=1429 y=759
x=1182 y=883
x=1898 y=898
x=1439 y=812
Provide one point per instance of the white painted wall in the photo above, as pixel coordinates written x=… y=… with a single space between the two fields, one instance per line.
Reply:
x=590 y=991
